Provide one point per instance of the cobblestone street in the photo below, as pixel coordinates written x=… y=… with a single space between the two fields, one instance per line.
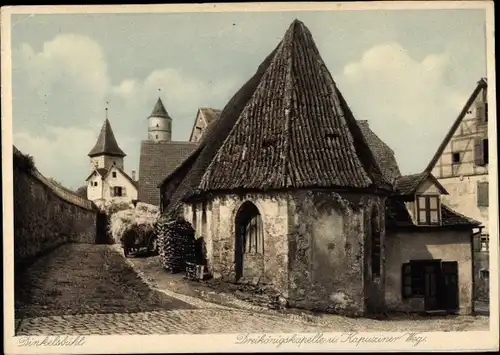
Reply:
x=54 y=311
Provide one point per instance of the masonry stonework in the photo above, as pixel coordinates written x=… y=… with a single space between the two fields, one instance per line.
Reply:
x=271 y=268
x=330 y=253
x=43 y=220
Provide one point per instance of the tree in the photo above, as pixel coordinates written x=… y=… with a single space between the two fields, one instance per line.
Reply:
x=81 y=191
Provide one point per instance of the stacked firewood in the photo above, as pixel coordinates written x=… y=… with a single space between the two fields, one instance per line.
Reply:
x=175 y=243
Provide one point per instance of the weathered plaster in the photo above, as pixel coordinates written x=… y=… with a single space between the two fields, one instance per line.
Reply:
x=330 y=260
x=402 y=247
x=463 y=197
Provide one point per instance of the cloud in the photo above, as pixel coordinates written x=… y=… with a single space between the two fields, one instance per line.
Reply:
x=60 y=93
x=58 y=153
x=179 y=90
x=406 y=101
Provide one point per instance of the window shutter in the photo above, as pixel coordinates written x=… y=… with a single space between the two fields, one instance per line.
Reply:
x=480 y=112
x=112 y=191
x=124 y=191
x=482 y=194
x=406 y=280
x=477 y=243
x=478 y=152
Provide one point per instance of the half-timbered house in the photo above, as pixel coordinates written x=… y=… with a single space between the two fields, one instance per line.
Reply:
x=461 y=166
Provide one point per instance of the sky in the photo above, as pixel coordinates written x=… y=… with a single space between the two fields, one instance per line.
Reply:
x=408 y=72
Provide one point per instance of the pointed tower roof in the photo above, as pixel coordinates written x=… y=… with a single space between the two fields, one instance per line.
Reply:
x=159 y=110
x=106 y=143
x=287 y=127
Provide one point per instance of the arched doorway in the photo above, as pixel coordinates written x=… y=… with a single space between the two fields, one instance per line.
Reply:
x=249 y=236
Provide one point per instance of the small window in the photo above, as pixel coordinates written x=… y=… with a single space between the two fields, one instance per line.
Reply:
x=485 y=241
x=117 y=191
x=484 y=274
x=428 y=208
x=95 y=183
x=114 y=174
x=455 y=158
x=157 y=125
x=156 y=136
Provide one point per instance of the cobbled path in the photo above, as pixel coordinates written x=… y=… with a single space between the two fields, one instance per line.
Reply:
x=202 y=317
x=167 y=322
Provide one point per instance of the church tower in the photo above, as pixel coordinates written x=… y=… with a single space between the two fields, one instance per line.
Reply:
x=106 y=151
x=160 y=124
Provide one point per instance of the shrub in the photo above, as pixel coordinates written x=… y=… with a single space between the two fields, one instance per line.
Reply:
x=24 y=162
x=111 y=207
x=134 y=225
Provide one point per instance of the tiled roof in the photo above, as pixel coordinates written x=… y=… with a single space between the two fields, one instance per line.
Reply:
x=296 y=131
x=398 y=216
x=383 y=154
x=288 y=126
x=106 y=143
x=157 y=160
x=210 y=114
x=407 y=184
x=451 y=217
x=100 y=171
x=159 y=110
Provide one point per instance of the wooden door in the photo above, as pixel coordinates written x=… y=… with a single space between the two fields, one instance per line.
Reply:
x=451 y=295
x=239 y=250
x=431 y=300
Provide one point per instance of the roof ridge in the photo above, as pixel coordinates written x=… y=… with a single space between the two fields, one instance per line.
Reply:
x=288 y=94
x=479 y=86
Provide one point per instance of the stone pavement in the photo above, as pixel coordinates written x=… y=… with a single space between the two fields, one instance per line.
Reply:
x=163 y=322
x=202 y=317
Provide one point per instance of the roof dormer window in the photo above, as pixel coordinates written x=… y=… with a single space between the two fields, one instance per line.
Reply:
x=428 y=210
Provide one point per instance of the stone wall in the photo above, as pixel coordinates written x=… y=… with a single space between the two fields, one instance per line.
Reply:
x=221 y=239
x=445 y=245
x=330 y=254
x=47 y=215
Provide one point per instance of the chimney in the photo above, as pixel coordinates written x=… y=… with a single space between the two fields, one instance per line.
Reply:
x=133 y=175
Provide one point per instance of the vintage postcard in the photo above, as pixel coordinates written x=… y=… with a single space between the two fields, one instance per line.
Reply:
x=282 y=177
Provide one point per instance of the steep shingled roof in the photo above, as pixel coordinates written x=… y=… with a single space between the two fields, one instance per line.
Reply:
x=383 y=154
x=157 y=160
x=408 y=184
x=106 y=143
x=296 y=131
x=210 y=114
x=159 y=110
x=288 y=126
